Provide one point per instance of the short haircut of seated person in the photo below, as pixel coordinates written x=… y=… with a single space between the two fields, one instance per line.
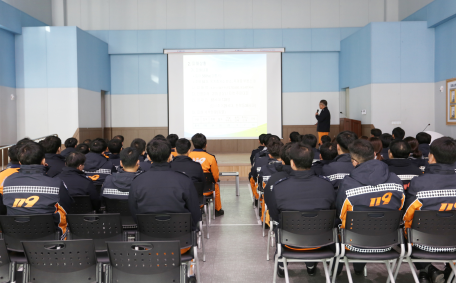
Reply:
x=115 y=146
x=295 y=137
x=386 y=139
x=285 y=153
x=310 y=140
x=71 y=142
x=75 y=159
x=344 y=139
x=272 y=139
x=423 y=138
x=444 y=150
x=183 y=146
x=160 y=137
x=199 y=141
x=129 y=157
x=325 y=139
x=376 y=132
x=98 y=145
x=119 y=137
x=23 y=141
x=87 y=141
x=82 y=148
x=158 y=151
x=400 y=149
x=302 y=155
x=361 y=150
x=31 y=154
x=398 y=133
x=261 y=138
x=139 y=144
x=328 y=151
x=274 y=148
x=12 y=154
x=172 y=139
x=52 y=144
x=266 y=139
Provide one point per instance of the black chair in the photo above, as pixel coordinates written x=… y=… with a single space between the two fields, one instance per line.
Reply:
x=7 y=267
x=144 y=262
x=48 y=261
x=306 y=230
x=371 y=236
x=170 y=227
x=209 y=187
x=199 y=186
x=81 y=205
x=121 y=206
x=434 y=232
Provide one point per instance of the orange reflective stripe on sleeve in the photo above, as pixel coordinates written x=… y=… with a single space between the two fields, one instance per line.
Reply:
x=5 y=174
x=63 y=220
x=408 y=216
x=94 y=177
x=343 y=213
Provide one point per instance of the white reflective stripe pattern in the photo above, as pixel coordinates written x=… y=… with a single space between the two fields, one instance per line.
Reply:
x=315 y=160
x=373 y=189
x=435 y=250
x=107 y=191
x=31 y=189
x=436 y=194
x=339 y=176
x=258 y=169
x=99 y=171
x=422 y=168
x=266 y=178
x=406 y=177
x=359 y=250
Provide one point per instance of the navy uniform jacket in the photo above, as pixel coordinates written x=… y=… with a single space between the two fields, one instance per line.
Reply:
x=338 y=169
x=261 y=158
x=384 y=153
x=163 y=190
x=301 y=191
x=67 y=151
x=324 y=120
x=266 y=171
x=142 y=157
x=425 y=149
x=282 y=172
x=145 y=165
x=78 y=184
x=191 y=168
x=115 y=160
x=117 y=185
x=30 y=191
x=405 y=169
x=316 y=152
x=255 y=151
x=97 y=167
x=55 y=163
x=419 y=162
x=318 y=166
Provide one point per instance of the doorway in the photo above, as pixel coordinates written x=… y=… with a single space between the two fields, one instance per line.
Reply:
x=344 y=103
x=105 y=114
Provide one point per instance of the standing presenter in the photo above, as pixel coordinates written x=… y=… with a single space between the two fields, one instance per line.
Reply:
x=324 y=120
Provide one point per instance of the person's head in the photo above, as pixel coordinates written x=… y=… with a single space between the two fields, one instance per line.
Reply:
x=159 y=151
x=377 y=145
x=274 y=148
x=416 y=153
x=139 y=144
x=325 y=139
x=82 y=148
x=423 y=138
x=344 y=139
x=399 y=149
x=323 y=104
x=71 y=143
x=183 y=146
x=75 y=160
x=119 y=137
x=328 y=151
x=172 y=139
x=160 y=137
x=294 y=137
x=398 y=133
x=31 y=154
x=52 y=144
x=301 y=156
x=12 y=154
x=261 y=139
x=115 y=146
x=129 y=159
x=443 y=150
x=364 y=138
x=266 y=139
x=361 y=151
x=386 y=140
x=285 y=153
x=376 y=133
x=23 y=141
x=199 y=141
x=98 y=145
x=87 y=141
x=272 y=140
x=310 y=140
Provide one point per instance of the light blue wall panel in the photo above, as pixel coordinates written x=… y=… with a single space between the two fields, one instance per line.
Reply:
x=296 y=72
x=239 y=38
x=35 y=62
x=61 y=57
x=7 y=62
x=153 y=74
x=386 y=52
x=346 y=32
x=184 y=39
x=345 y=63
x=10 y=18
x=445 y=57
x=420 y=15
x=19 y=54
x=123 y=41
x=124 y=74
x=151 y=41
x=326 y=39
x=440 y=11
x=101 y=34
x=266 y=38
x=324 y=68
x=209 y=38
x=297 y=40
x=29 y=21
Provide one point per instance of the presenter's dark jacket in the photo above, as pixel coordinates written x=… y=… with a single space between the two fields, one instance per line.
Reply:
x=30 y=191
x=191 y=168
x=163 y=190
x=318 y=166
x=301 y=191
x=282 y=172
x=67 y=151
x=404 y=169
x=324 y=120
x=97 y=167
x=78 y=184
x=117 y=185
x=338 y=169
x=255 y=151
x=115 y=160
x=55 y=163
x=425 y=149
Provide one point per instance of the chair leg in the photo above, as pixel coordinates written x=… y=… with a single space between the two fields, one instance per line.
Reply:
x=197 y=267
x=365 y=271
x=335 y=270
x=213 y=204
x=276 y=263
x=267 y=244
x=390 y=273
x=392 y=267
x=207 y=221
x=412 y=269
x=183 y=272
x=209 y=209
x=325 y=267
x=202 y=240
x=331 y=262
x=347 y=266
x=398 y=267
x=453 y=267
x=285 y=267
x=264 y=218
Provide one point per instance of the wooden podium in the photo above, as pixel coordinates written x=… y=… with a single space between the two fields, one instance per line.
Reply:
x=350 y=125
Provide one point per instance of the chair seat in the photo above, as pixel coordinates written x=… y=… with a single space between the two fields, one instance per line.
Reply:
x=103 y=257
x=392 y=254
x=417 y=253
x=187 y=256
x=312 y=254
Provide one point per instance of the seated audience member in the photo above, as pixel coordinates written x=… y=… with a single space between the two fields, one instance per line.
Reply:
x=76 y=181
x=295 y=137
x=435 y=190
x=376 y=133
x=23 y=193
x=120 y=138
x=364 y=138
x=325 y=139
x=70 y=145
x=311 y=141
x=378 y=147
x=172 y=139
x=161 y=189
x=415 y=154
x=399 y=164
x=87 y=141
x=398 y=133
x=82 y=148
x=424 y=140
x=140 y=146
x=328 y=151
x=302 y=190
x=115 y=147
x=260 y=148
x=209 y=165
x=13 y=167
x=342 y=164
x=386 y=140
x=117 y=185
x=97 y=167
x=264 y=151
x=160 y=137
x=55 y=162
x=185 y=164
x=380 y=184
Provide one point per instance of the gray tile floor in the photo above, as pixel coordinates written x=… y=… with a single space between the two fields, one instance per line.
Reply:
x=236 y=249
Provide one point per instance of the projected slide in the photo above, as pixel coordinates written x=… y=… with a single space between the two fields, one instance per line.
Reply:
x=225 y=95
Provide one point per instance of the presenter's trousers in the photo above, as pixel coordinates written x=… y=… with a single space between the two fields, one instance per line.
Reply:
x=320 y=134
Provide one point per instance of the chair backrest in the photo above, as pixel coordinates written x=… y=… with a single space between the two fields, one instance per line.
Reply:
x=166 y=227
x=117 y=206
x=199 y=186
x=5 y=271
x=17 y=228
x=209 y=183
x=50 y=260
x=142 y=262
x=81 y=205
x=307 y=229
x=372 y=229
x=99 y=227
x=434 y=228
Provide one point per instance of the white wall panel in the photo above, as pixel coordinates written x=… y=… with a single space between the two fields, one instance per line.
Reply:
x=89 y=109
x=8 y=116
x=296 y=14
x=386 y=106
x=74 y=13
x=209 y=14
x=180 y=14
x=123 y=14
x=392 y=10
x=354 y=13
x=95 y=14
x=325 y=13
x=58 y=18
x=32 y=114
x=417 y=107
x=153 y=110
x=267 y=14
x=333 y=105
x=376 y=11
x=125 y=110
x=237 y=14
x=359 y=99
x=62 y=112
x=299 y=107
x=152 y=14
